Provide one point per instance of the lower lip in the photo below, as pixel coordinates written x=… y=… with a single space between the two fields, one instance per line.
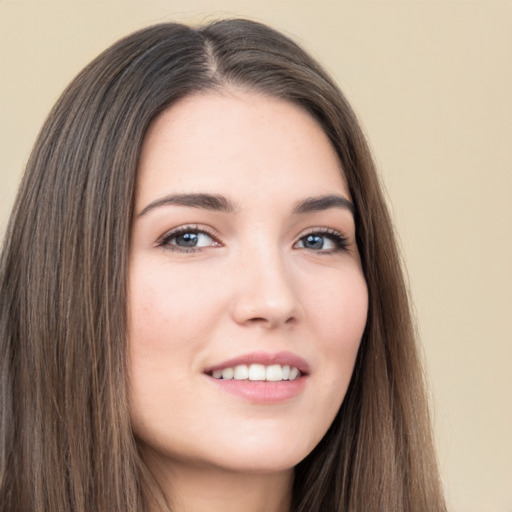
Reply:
x=262 y=392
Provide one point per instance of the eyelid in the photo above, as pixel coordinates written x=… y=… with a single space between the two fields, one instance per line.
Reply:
x=339 y=238
x=164 y=240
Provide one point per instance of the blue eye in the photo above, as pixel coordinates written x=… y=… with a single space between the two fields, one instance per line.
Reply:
x=330 y=241
x=187 y=239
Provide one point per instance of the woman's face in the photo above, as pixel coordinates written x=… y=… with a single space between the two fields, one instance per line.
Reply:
x=247 y=301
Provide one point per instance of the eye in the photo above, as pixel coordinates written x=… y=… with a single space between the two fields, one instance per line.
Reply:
x=323 y=241
x=188 y=239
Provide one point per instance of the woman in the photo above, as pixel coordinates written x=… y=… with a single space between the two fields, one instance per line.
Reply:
x=202 y=301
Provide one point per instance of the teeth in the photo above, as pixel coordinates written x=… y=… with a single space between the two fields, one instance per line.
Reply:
x=227 y=373
x=274 y=372
x=294 y=373
x=258 y=372
x=241 y=372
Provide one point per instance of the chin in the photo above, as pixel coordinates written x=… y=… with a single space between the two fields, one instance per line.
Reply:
x=257 y=452
x=265 y=453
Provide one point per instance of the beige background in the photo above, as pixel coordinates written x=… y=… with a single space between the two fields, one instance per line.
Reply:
x=432 y=82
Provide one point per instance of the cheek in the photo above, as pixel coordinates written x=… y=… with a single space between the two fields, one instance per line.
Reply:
x=339 y=318
x=168 y=321
x=340 y=310
x=170 y=311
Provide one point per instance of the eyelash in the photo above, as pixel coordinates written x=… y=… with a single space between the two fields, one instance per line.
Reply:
x=340 y=241
x=166 y=239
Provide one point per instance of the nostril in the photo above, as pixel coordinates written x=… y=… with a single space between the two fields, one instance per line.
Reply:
x=272 y=321
x=258 y=320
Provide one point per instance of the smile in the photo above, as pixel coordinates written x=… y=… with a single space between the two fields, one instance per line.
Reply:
x=258 y=372
x=261 y=377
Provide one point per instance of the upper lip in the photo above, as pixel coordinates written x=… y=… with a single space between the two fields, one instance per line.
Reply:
x=265 y=358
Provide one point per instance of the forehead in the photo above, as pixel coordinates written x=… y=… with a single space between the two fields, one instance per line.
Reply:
x=237 y=141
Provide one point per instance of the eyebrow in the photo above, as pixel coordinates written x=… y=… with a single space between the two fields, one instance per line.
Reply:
x=220 y=203
x=320 y=203
x=204 y=201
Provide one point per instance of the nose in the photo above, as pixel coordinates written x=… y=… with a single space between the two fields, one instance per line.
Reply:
x=265 y=291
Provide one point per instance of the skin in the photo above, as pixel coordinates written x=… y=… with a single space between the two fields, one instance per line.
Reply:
x=254 y=283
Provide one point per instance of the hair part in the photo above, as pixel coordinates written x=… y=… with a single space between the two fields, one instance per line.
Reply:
x=65 y=437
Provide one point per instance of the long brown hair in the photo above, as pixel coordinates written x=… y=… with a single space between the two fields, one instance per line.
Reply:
x=66 y=442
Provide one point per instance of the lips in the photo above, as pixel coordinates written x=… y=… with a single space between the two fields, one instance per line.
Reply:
x=261 y=377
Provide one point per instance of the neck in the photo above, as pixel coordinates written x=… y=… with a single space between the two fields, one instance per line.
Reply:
x=191 y=488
